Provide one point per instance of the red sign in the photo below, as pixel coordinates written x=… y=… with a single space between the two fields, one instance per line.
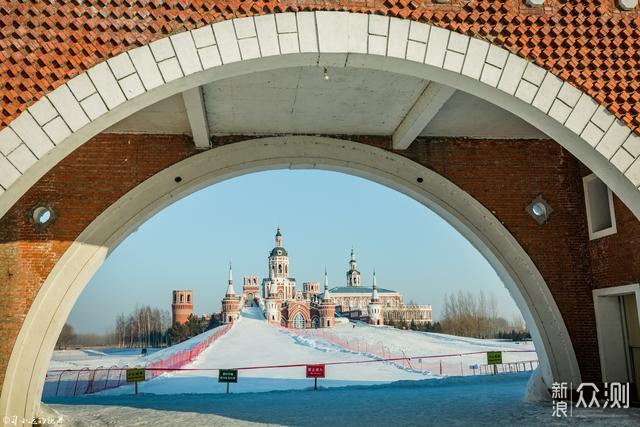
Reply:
x=315 y=371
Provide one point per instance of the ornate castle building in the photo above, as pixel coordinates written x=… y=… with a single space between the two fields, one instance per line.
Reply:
x=283 y=304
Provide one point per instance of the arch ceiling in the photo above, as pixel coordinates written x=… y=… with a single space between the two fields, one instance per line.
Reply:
x=110 y=91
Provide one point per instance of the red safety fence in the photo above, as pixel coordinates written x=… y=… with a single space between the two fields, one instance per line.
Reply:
x=182 y=358
x=452 y=364
x=85 y=381
x=76 y=382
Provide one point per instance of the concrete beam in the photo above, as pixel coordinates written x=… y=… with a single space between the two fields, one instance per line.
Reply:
x=423 y=111
x=197 y=114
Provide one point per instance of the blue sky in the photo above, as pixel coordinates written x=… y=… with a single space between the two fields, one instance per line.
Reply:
x=322 y=215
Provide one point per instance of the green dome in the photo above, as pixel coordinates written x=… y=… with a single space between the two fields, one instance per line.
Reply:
x=279 y=251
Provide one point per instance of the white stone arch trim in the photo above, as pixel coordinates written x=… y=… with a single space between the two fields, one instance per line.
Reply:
x=89 y=103
x=34 y=345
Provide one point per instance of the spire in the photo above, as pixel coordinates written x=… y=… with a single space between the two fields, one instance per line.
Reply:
x=278 y=237
x=326 y=296
x=374 y=292
x=353 y=255
x=230 y=290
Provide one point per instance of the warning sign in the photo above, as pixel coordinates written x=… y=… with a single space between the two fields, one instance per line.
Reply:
x=228 y=376
x=494 y=357
x=135 y=375
x=315 y=371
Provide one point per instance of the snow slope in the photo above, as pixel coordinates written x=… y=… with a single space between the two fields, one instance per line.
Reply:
x=253 y=342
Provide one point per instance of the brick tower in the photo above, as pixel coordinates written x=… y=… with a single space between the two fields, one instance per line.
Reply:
x=251 y=290
x=182 y=306
x=326 y=309
x=230 y=302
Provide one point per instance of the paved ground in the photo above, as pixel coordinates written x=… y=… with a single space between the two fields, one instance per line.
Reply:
x=452 y=402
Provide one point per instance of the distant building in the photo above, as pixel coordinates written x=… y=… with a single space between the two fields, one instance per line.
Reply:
x=181 y=306
x=419 y=314
x=284 y=305
x=281 y=302
x=355 y=301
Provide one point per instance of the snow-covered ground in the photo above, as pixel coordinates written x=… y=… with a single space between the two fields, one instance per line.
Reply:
x=94 y=358
x=455 y=401
x=372 y=394
x=253 y=342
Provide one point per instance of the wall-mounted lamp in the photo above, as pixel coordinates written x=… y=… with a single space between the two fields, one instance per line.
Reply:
x=627 y=4
x=539 y=210
x=41 y=216
x=326 y=75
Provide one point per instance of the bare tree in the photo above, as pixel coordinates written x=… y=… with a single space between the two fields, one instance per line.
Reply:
x=466 y=314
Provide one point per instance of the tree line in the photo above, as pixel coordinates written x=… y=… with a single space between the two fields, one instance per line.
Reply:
x=144 y=327
x=472 y=315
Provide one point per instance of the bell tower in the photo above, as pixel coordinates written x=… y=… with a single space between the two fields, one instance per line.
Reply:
x=353 y=275
x=278 y=259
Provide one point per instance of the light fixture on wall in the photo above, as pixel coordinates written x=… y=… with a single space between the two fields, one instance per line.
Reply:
x=539 y=209
x=326 y=75
x=627 y=4
x=41 y=216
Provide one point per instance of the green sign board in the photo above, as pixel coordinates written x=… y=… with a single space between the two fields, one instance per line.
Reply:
x=494 y=357
x=135 y=375
x=228 y=376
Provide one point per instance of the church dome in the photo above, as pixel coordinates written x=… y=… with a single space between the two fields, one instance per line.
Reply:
x=279 y=251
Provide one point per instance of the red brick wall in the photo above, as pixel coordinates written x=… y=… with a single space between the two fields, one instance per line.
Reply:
x=80 y=188
x=504 y=175
x=615 y=259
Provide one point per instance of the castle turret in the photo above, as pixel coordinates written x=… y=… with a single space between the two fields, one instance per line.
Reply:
x=272 y=305
x=326 y=308
x=181 y=306
x=230 y=302
x=375 y=307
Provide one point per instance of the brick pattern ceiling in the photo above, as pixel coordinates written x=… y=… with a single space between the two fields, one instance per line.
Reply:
x=590 y=43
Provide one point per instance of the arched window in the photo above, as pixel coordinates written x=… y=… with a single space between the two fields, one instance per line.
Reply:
x=188 y=298
x=181 y=298
x=298 y=321
x=279 y=268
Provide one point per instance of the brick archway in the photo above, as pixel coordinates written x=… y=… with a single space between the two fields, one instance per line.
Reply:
x=48 y=312
x=84 y=106
x=60 y=123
